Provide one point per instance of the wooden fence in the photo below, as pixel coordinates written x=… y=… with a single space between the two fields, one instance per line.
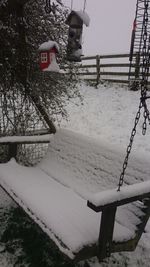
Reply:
x=113 y=68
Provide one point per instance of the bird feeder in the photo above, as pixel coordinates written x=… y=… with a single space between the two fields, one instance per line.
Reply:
x=75 y=20
x=48 y=51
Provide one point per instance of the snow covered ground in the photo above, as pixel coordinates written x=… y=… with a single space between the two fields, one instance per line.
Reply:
x=107 y=114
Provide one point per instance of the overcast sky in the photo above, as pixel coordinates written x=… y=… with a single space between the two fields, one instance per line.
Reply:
x=110 y=25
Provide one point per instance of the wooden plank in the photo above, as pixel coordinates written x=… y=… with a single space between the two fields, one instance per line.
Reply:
x=115 y=80
x=116 y=65
x=110 y=73
x=25 y=142
x=107 y=80
x=39 y=139
x=115 y=56
x=107 y=56
x=87 y=66
x=106 y=73
x=87 y=73
x=88 y=58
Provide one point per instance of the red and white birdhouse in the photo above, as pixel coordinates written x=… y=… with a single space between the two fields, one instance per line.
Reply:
x=48 y=51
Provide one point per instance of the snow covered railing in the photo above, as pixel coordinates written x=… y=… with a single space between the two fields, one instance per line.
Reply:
x=107 y=202
x=25 y=139
x=14 y=142
x=110 y=198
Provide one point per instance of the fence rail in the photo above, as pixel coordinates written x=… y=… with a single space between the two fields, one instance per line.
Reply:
x=113 y=68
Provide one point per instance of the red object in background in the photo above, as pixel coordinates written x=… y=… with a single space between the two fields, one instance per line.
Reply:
x=46 y=57
x=134 y=25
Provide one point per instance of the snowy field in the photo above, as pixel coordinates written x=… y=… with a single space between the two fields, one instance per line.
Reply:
x=107 y=115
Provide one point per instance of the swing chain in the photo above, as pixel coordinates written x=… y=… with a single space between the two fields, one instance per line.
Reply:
x=144 y=87
x=133 y=133
x=146 y=116
x=125 y=163
x=48 y=7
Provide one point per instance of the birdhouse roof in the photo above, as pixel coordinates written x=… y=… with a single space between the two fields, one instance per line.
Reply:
x=81 y=15
x=49 y=45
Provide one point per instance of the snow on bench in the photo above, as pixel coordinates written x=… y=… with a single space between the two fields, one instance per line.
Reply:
x=130 y=193
x=61 y=213
x=88 y=166
x=55 y=192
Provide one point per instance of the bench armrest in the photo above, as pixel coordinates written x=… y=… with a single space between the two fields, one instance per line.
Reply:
x=113 y=198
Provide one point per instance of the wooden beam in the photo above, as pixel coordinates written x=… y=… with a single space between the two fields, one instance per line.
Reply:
x=25 y=142
x=86 y=66
x=39 y=106
x=106 y=233
x=12 y=151
x=108 y=56
x=116 y=65
x=88 y=58
x=116 y=73
x=87 y=73
x=28 y=139
x=115 y=81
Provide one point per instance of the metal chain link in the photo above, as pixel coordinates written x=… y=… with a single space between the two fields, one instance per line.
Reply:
x=143 y=84
x=125 y=163
x=48 y=7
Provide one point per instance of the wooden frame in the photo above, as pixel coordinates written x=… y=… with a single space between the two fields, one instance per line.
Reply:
x=108 y=207
x=106 y=245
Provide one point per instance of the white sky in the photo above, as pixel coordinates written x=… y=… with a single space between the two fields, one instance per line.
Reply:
x=110 y=27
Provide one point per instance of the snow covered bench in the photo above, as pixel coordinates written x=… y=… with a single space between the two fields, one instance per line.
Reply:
x=55 y=192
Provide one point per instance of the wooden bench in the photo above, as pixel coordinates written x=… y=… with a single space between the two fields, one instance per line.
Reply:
x=55 y=192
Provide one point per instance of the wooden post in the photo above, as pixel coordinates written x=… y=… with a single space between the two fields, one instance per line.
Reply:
x=135 y=84
x=12 y=150
x=97 y=69
x=106 y=232
x=43 y=112
x=39 y=106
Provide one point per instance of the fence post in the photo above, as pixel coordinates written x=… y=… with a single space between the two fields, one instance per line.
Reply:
x=97 y=69
x=135 y=84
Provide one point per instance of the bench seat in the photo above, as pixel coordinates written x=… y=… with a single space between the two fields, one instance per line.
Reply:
x=55 y=192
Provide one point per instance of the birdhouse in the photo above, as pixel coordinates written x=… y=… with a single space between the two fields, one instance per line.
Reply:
x=48 y=51
x=75 y=20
